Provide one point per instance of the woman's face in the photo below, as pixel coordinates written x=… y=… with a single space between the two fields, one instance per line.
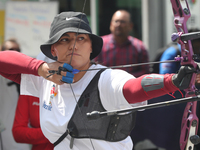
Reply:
x=76 y=54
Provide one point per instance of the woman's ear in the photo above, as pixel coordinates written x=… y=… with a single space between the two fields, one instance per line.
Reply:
x=91 y=49
x=53 y=53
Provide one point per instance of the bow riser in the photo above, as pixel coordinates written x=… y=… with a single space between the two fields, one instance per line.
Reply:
x=181 y=16
x=190 y=120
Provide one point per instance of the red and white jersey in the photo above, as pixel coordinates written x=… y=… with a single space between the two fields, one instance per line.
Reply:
x=57 y=104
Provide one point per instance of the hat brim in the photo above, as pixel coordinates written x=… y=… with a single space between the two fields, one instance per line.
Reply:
x=97 y=42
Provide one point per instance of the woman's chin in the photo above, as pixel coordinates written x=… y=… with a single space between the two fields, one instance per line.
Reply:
x=64 y=61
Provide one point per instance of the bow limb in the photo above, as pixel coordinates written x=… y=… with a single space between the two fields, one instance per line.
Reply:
x=190 y=120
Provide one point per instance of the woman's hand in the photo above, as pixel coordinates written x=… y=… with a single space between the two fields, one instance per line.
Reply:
x=44 y=69
x=61 y=72
x=183 y=77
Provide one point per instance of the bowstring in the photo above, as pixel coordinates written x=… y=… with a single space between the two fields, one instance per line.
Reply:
x=71 y=84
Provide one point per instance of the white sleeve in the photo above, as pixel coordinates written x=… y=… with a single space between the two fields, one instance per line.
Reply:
x=30 y=85
x=110 y=86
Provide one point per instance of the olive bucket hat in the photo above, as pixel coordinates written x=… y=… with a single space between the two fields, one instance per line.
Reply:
x=71 y=22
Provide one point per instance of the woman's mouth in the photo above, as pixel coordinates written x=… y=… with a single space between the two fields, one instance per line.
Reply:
x=72 y=54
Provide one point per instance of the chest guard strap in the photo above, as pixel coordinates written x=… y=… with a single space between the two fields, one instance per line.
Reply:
x=110 y=128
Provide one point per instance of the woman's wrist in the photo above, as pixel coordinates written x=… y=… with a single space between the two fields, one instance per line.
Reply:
x=43 y=69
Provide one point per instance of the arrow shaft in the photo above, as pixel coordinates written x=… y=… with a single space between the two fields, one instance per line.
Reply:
x=150 y=106
x=131 y=65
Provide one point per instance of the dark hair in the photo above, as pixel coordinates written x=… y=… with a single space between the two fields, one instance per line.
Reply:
x=3 y=48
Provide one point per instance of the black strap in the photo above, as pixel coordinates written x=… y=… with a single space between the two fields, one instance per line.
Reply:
x=13 y=83
x=67 y=131
x=61 y=138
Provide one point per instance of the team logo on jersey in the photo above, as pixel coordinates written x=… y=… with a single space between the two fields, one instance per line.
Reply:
x=53 y=93
x=47 y=106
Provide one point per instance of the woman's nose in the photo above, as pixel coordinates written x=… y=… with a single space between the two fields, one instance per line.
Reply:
x=72 y=45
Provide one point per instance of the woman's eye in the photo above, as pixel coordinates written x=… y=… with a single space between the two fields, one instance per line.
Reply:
x=64 y=40
x=80 y=38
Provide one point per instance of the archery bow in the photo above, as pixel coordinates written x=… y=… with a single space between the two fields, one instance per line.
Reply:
x=189 y=123
x=190 y=120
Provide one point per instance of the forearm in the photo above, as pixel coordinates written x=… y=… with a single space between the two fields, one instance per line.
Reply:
x=134 y=91
x=14 y=77
x=12 y=62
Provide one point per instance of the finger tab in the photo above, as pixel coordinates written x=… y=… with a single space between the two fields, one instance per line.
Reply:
x=68 y=67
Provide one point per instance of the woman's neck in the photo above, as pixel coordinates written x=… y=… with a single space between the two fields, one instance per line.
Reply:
x=79 y=75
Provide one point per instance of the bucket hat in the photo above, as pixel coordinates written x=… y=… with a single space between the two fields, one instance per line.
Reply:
x=71 y=22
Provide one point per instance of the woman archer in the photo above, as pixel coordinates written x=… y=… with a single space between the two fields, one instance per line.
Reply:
x=64 y=122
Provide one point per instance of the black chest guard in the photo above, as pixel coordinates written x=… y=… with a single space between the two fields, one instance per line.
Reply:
x=110 y=128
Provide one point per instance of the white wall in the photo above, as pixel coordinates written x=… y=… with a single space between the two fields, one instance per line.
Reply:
x=29 y=23
x=157 y=22
x=193 y=21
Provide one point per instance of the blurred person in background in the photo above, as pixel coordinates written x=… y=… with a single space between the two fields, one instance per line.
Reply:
x=119 y=48
x=9 y=93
